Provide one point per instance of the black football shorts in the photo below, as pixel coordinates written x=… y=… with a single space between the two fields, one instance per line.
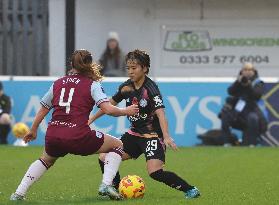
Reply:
x=153 y=148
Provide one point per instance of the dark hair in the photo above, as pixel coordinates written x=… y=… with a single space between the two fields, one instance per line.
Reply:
x=82 y=61
x=108 y=54
x=141 y=57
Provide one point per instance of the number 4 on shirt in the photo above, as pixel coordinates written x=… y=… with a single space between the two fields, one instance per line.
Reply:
x=68 y=103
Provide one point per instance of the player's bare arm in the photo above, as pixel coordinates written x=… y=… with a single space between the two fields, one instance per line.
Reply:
x=100 y=113
x=32 y=134
x=169 y=142
x=112 y=110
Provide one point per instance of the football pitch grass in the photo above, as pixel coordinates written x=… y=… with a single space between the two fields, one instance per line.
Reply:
x=233 y=176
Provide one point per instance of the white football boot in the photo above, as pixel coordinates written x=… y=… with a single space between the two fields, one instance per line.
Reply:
x=16 y=197
x=110 y=191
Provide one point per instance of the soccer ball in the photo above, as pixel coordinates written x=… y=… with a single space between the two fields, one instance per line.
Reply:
x=20 y=129
x=132 y=186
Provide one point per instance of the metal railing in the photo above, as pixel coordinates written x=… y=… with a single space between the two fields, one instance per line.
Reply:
x=24 y=37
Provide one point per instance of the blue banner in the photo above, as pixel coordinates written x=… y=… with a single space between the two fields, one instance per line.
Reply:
x=191 y=108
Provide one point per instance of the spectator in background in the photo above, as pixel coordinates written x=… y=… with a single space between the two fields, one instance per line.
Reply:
x=113 y=59
x=241 y=110
x=5 y=119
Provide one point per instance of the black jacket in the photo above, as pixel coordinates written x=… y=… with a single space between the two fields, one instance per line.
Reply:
x=251 y=94
x=5 y=104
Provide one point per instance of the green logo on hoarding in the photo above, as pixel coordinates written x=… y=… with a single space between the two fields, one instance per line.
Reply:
x=247 y=42
x=187 y=41
x=190 y=41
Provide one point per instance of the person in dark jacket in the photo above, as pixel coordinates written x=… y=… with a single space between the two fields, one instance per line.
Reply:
x=241 y=110
x=5 y=119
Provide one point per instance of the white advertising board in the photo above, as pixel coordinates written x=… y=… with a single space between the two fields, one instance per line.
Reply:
x=219 y=46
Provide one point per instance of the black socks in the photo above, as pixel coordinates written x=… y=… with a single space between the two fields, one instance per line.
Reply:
x=171 y=179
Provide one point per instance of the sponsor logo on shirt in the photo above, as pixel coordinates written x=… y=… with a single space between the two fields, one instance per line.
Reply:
x=158 y=101
x=143 y=103
x=137 y=116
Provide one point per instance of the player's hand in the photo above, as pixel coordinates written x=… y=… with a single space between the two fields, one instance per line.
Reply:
x=132 y=110
x=169 y=142
x=30 y=136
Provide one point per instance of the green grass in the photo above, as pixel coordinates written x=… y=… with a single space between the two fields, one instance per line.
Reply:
x=224 y=175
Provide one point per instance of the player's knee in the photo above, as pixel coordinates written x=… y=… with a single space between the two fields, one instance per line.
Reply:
x=157 y=175
x=47 y=160
x=119 y=143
